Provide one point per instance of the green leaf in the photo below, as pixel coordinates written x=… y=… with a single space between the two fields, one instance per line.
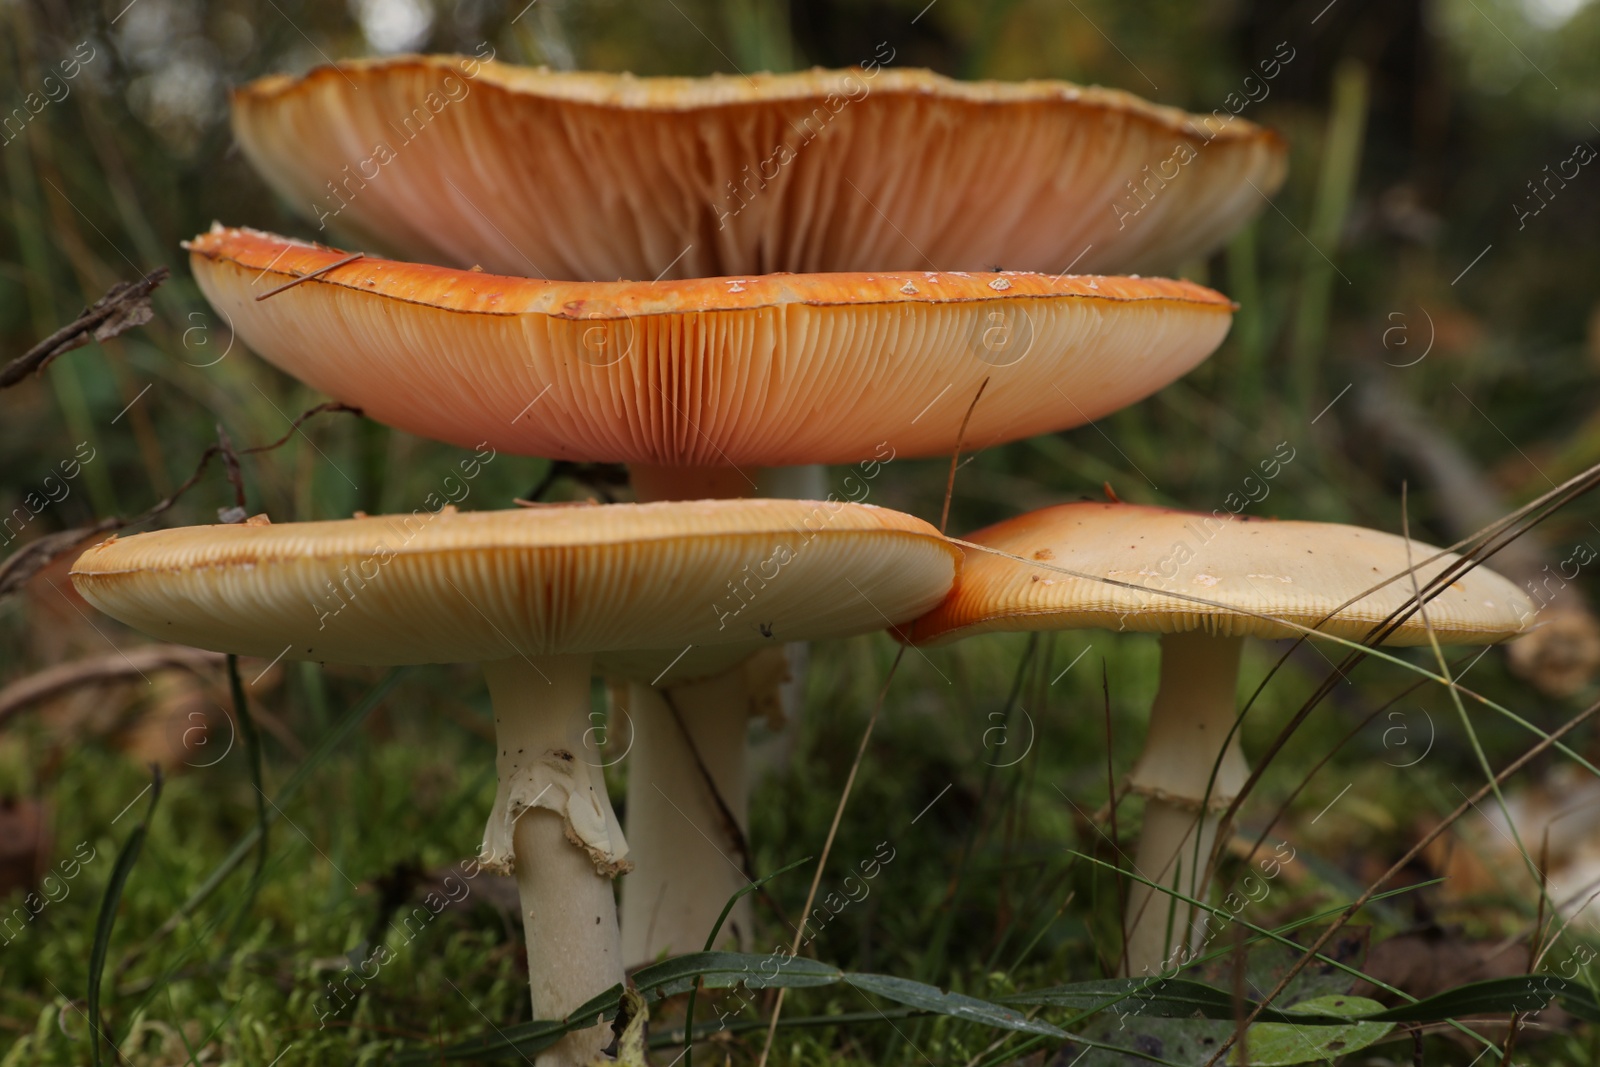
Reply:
x=711 y=939
x=1267 y=962
x=1110 y=1041
x=1495 y=996
x=724 y=970
x=521 y=1041
x=957 y=1006
x=1179 y=998
x=1277 y=1044
x=1162 y=998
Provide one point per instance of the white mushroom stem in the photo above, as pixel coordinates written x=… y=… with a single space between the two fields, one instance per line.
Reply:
x=553 y=827
x=688 y=846
x=1191 y=730
x=687 y=858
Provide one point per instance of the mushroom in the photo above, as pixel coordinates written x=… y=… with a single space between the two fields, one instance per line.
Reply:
x=600 y=176
x=694 y=383
x=688 y=805
x=534 y=595
x=1204 y=582
x=697 y=385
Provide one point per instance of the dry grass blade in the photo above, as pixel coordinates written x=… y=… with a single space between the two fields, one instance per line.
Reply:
x=1478 y=548
x=1333 y=750
x=955 y=455
x=1400 y=865
x=827 y=847
x=346 y=261
x=125 y=305
x=1111 y=804
x=1561 y=656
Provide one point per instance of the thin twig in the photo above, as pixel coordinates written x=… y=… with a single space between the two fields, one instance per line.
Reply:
x=102 y=670
x=291 y=283
x=125 y=305
x=35 y=556
x=230 y=464
x=29 y=560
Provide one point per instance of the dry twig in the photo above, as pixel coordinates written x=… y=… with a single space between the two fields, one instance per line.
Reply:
x=125 y=305
x=27 y=561
x=102 y=670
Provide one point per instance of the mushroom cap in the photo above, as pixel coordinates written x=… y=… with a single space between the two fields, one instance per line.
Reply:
x=1255 y=576
x=441 y=587
x=763 y=371
x=600 y=176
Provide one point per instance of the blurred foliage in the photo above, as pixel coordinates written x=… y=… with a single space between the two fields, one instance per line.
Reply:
x=1438 y=114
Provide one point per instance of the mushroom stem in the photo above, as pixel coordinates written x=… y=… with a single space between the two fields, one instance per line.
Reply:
x=553 y=826
x=688 y=843
x=688 y=858
x=1191 y=734
x=691 y=483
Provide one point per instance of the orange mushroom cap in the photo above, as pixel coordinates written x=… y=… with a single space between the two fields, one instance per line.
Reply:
x=600 y=176
x=765 y=371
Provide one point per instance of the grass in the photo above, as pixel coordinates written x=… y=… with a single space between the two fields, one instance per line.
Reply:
x=972 y=898
x=986 y=893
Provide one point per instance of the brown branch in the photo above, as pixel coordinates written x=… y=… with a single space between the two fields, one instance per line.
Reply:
x=101 y=670
x=29 y=560
x=125 y=305
x=230 y=464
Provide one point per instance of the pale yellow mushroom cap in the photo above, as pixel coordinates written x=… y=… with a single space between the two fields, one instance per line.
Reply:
x=1249 y=577
x=440 y=587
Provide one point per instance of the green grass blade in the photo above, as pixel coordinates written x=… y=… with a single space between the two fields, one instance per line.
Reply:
x=126 y=858
x=291 y=786
x=711 y=940
x=1341 y=159
x=252 y=751
x=724 y=970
